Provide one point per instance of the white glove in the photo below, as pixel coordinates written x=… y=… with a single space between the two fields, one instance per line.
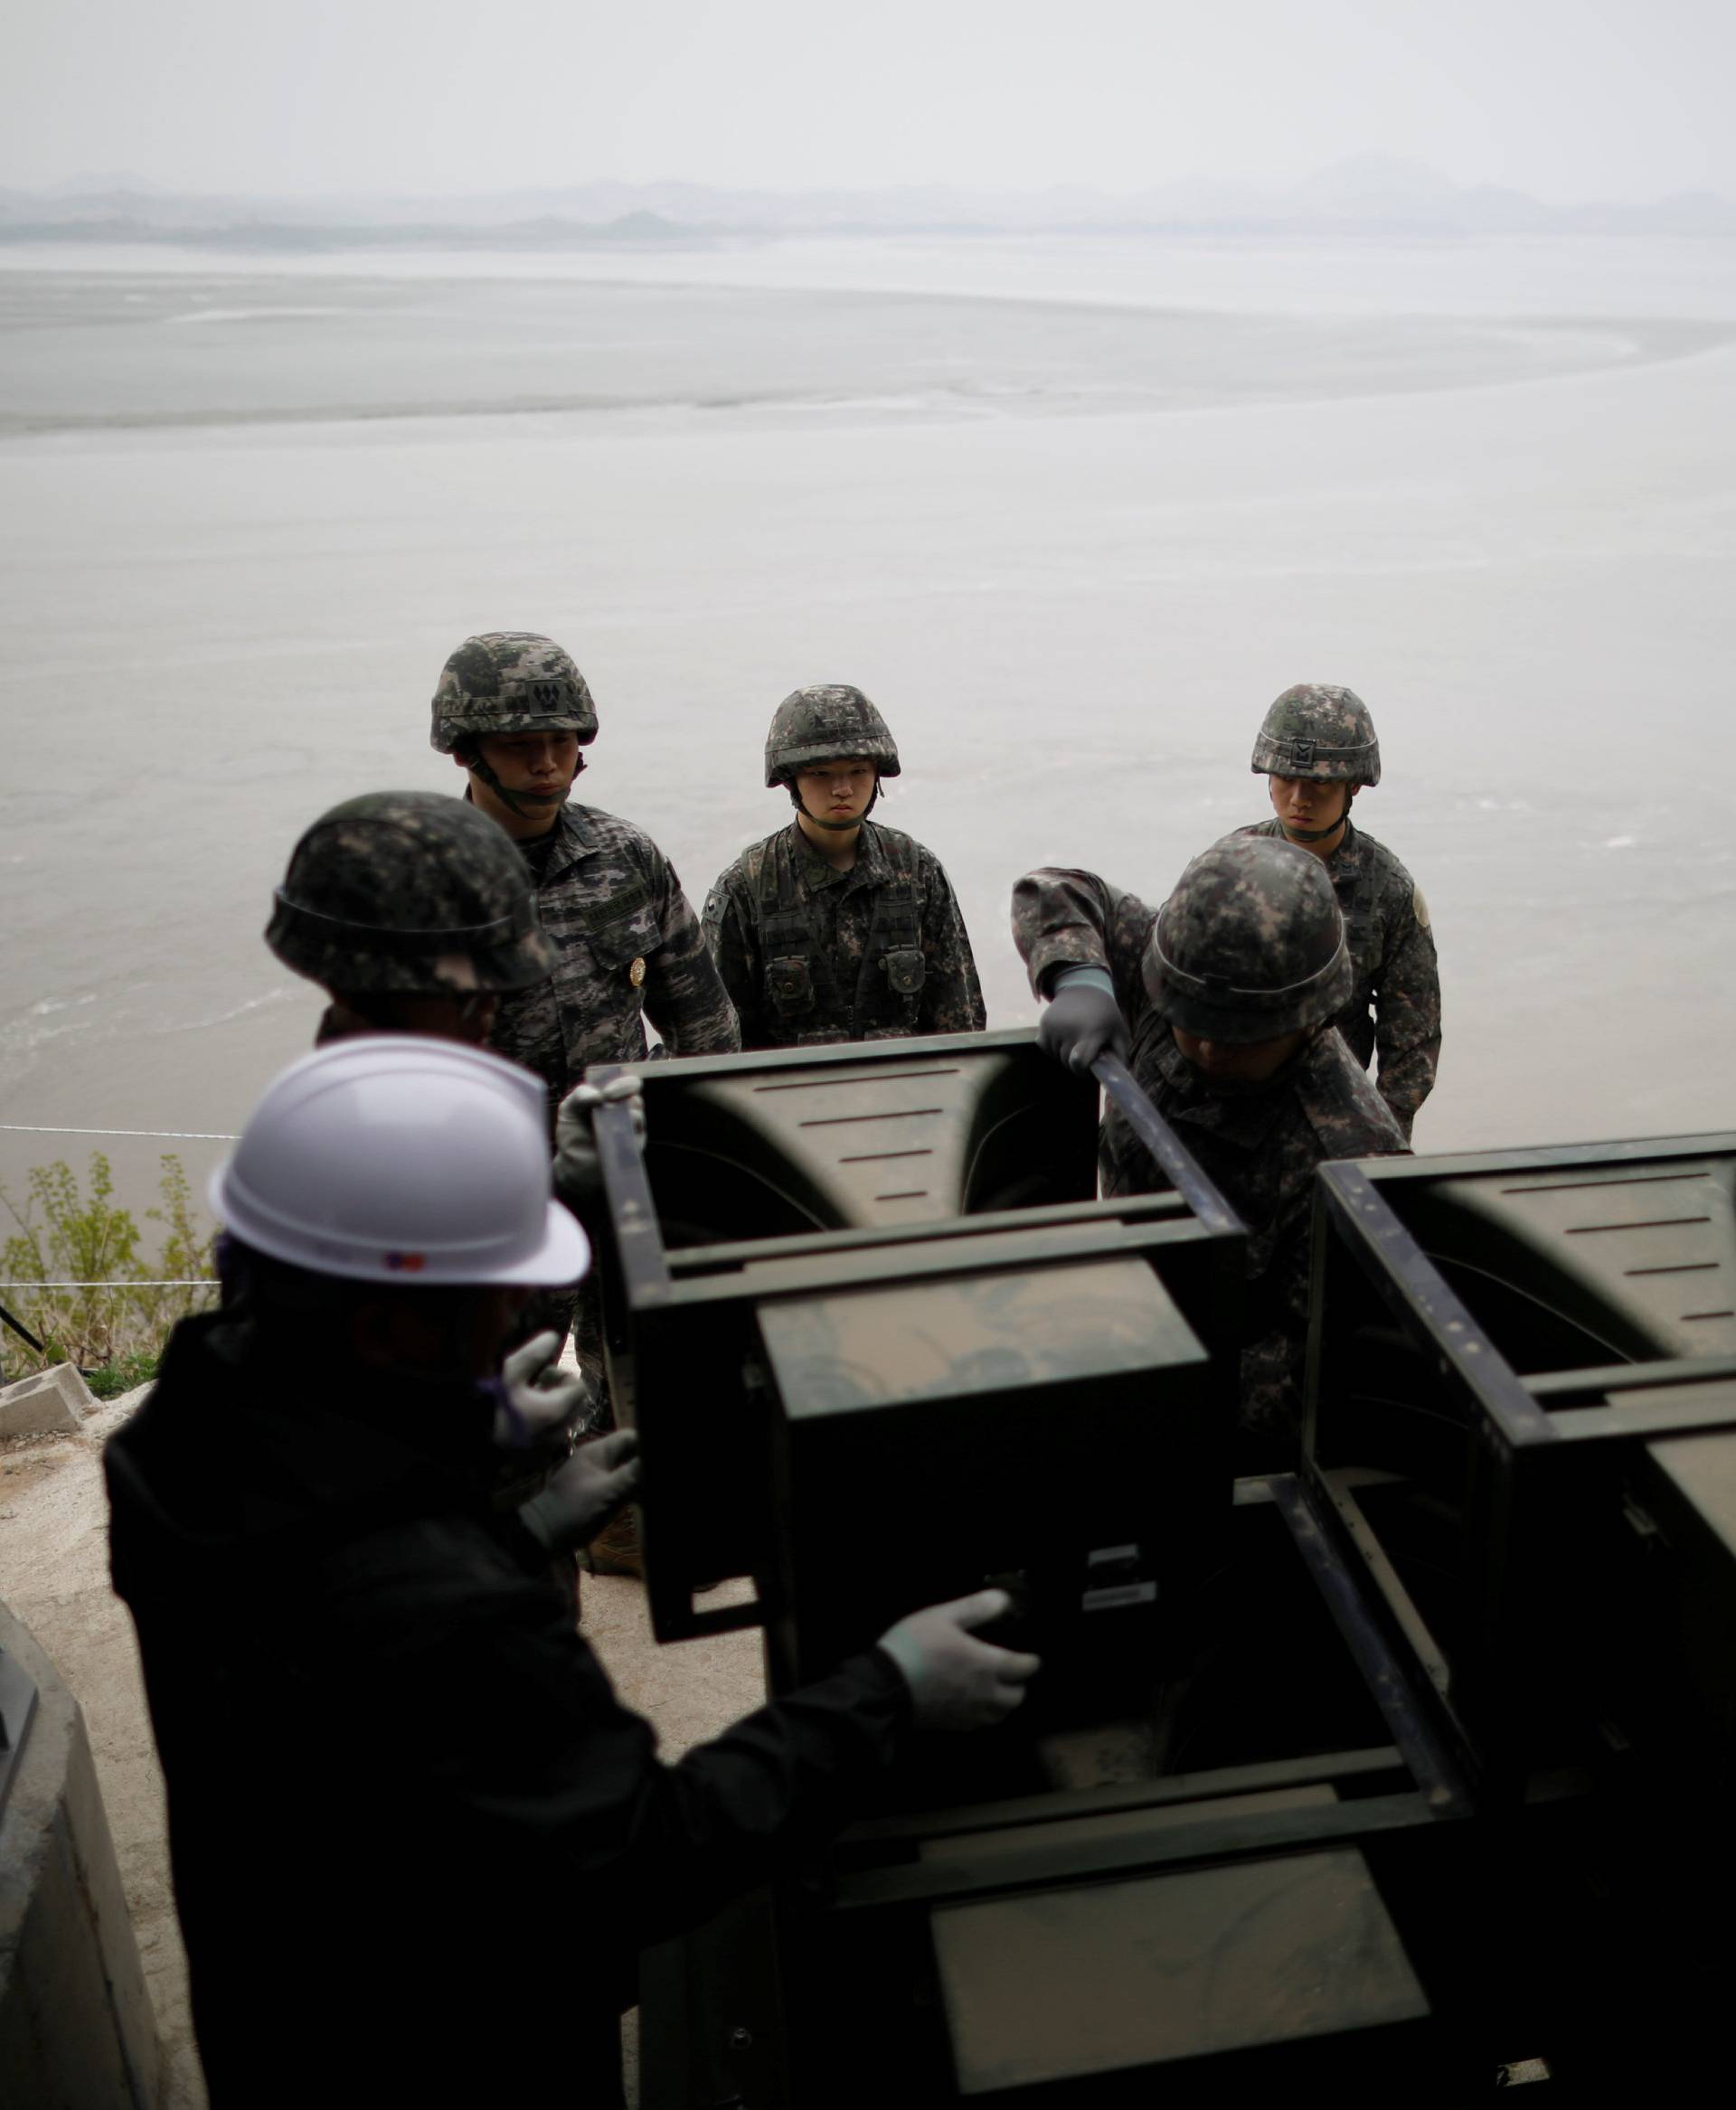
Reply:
x=956 y=1681
x=543 y=1399
x=582 y=1495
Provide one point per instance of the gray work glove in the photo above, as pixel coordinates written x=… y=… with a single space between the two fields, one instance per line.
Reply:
x=544 y=1404
x=598 y=1479
x=1081 y=1021
x=578 y=1171
x=956 y=1681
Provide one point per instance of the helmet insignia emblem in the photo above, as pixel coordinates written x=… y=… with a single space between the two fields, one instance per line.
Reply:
x=547 y=695
x=1303 y=753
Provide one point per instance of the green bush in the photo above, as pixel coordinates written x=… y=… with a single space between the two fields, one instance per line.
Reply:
x=115 y=1333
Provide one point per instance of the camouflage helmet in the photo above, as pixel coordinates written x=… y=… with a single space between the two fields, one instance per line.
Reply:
x=828 y=722
x=411 y=893
x=510 y=680
x=1250 y=945
x=1319 y=730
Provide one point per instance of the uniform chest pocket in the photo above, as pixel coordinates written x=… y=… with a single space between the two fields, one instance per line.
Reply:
x=906 y=971
x=623 y=933
x=790 y=983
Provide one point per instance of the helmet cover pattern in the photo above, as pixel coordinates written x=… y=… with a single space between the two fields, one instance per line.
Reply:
x=411 y=893
x=1318 y=731
x=828 y=722
x=1250 y=945
x=510 y=680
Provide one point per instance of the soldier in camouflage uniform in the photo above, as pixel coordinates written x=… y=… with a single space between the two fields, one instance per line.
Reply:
x=415 y=914
x=514 y=711
x=837 y=928
x=1221 y=1002
x=1319 y=748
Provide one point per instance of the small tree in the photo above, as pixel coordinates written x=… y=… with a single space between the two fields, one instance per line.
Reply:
x=116 y=1329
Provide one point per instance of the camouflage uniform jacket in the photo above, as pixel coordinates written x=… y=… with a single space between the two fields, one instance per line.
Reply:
x=1386 y=921
x=1260 y=1147
x=810 y=953
x=628 y=948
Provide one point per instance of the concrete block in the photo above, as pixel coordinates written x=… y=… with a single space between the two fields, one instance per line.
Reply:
x=53 y=1402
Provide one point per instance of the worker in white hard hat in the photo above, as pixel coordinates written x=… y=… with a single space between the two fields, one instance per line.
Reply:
x=396 y=1773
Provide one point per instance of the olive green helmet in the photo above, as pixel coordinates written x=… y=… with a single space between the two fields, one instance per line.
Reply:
x=412 y=894
x=1319 y=730
x=829 y=722
x=1250 y=945
x=510 y=680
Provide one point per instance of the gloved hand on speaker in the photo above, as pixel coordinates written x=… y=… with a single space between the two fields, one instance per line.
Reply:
x=956 y=1681
x=599 y=1478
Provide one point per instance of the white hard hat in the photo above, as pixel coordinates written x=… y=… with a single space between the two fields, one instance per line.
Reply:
x=404 y=1160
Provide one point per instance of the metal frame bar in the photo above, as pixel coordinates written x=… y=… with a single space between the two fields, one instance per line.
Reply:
x=1425 y=1755
x=1175 y=1162
x=1020 y=1812
x=1070 y=1862
x=1518 y=1445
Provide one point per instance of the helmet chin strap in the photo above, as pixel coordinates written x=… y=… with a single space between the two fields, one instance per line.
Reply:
x=1320 y=834
x=837 y=827
x=473 y=760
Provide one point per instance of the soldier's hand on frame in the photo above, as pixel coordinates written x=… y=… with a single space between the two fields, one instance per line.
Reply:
x=956 y=1681
x=599 y=1478
x=578 y=1169
x=542 y=1400
x=1080 y=1023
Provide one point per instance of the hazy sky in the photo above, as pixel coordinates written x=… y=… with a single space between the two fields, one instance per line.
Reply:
x=1568 y=98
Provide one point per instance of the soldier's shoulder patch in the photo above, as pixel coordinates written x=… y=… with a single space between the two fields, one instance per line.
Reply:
x=1420 y=904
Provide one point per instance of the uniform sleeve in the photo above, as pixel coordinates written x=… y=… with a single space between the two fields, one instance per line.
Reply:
x=684 y=997
x=542 y=1765
x=1407 y=1013
x=952 y=997
x=734 y=944
x=1063 y=917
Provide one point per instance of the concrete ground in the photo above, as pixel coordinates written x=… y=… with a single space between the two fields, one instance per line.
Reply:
x=54 y=1577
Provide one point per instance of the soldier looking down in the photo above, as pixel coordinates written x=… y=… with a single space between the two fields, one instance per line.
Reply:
x=413 y=912
x=513 y=709
x=1318 y=746
x=837 y=928
x=1222 y=1003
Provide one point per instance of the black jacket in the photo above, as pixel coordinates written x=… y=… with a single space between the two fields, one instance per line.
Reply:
x=416 y=1840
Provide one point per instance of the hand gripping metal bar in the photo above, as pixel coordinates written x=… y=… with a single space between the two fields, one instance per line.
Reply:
x=1213 y=1211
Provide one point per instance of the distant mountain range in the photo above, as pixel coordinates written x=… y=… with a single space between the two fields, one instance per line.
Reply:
x=1367 y=193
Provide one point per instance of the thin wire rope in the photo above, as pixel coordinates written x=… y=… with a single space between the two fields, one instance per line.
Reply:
x=157 y=1134
x=184 y=1282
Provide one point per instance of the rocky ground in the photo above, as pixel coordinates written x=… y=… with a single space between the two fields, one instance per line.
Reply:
x=54 y=1577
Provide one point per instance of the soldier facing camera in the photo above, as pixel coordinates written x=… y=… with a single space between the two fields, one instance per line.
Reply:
x=839 y=928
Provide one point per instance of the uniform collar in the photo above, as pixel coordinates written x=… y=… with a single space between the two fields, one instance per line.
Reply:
x=1348 y=856
x=870 y=865
x=573 y=839
x=1246 y=1117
